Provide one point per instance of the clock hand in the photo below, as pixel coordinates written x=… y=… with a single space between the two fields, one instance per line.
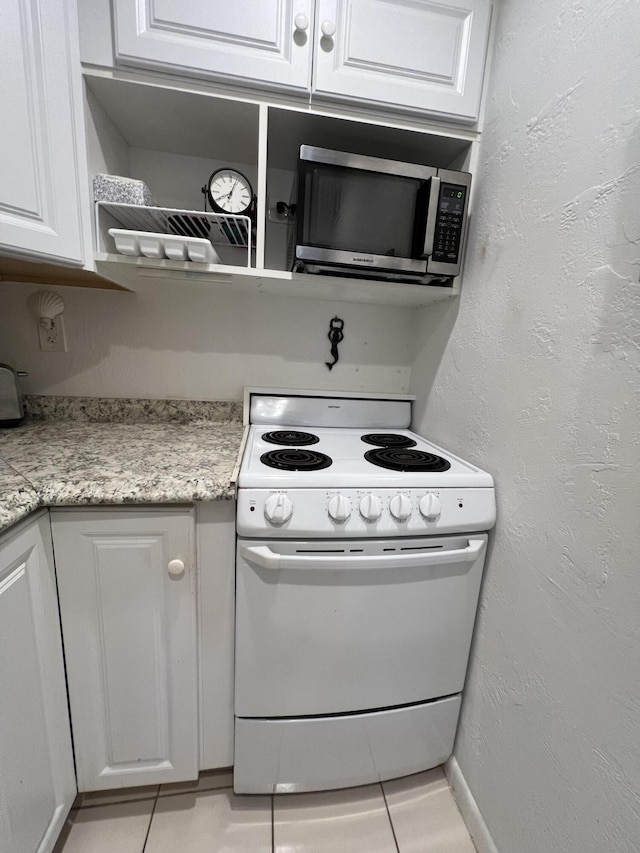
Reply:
x=230 y=193
x=232 y=190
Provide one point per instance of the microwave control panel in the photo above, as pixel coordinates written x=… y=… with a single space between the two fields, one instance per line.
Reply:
x=449 y=222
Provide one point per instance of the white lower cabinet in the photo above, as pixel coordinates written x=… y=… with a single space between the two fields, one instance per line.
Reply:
x=37 y=782
x=127 y=587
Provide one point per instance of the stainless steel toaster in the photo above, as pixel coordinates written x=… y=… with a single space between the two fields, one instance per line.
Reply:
x=11 y=407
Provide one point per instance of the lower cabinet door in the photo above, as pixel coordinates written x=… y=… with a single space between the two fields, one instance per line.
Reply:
x=126 y=582
x=37 y=782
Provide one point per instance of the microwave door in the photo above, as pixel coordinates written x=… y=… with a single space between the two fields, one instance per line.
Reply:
x=359 y=217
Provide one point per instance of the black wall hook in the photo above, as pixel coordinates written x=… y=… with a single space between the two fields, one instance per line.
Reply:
x=335 y=336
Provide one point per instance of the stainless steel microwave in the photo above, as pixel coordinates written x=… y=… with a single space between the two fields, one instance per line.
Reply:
x=376 y=218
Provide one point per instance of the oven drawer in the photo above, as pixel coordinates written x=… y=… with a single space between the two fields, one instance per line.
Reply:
x=315 y=754
x=340 y=627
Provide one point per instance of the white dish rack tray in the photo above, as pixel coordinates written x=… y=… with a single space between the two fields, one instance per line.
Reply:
x=220 y=229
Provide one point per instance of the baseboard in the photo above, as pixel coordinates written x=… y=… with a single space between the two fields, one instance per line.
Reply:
x=469 y=808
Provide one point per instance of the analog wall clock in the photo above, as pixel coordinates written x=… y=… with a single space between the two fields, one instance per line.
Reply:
x=229 y=191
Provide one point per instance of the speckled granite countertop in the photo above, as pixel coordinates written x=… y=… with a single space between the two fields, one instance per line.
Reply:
x=80 y=451
x=17 y=496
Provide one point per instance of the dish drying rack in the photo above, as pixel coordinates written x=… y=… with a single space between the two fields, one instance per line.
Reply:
x=220 y=229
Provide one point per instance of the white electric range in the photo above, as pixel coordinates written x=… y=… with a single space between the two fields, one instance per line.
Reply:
x=359 y=560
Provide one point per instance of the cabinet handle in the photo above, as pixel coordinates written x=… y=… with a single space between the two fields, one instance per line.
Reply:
x=328 y=29
x=176 y=568
x=301 y=22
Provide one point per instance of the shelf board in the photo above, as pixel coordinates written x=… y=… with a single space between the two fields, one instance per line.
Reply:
x=129 y=272
x=21 y=270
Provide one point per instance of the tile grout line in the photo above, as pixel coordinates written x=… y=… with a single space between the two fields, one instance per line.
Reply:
x=273 y=824
x=393 y=829
x=153 y=811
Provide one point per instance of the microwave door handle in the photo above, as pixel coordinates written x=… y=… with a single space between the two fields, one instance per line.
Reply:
x=432 y=215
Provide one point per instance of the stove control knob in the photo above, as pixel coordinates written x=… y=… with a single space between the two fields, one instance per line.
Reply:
x=400 y=507
x=430 y=507
x=339 y=508
x=278 y=509
x=370 y=507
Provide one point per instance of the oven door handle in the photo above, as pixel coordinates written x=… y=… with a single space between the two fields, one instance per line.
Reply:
x=263 y=557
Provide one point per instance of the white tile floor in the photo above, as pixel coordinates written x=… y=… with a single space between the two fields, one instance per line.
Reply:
x=413 y=815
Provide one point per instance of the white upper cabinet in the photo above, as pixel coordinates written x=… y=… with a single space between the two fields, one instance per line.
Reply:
x=417 y=54
x=266 y=43
x=40 y=162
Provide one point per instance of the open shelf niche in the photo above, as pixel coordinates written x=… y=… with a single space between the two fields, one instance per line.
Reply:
x=173 y=136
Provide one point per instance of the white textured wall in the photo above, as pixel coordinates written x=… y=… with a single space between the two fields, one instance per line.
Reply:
x=539 y=384
x=201 y=342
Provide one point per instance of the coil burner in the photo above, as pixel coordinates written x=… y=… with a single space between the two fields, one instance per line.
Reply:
x=292 y=459
x=406 y=460
x=388 y=439
x=290 y=437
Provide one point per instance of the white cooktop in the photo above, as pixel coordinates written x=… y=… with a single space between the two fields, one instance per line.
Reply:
x=349 y=468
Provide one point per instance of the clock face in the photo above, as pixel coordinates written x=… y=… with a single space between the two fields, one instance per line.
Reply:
x=230 y=191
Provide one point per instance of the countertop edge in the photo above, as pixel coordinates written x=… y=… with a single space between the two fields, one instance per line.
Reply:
x=18 y=514
x=27 y=488
x=236 y=468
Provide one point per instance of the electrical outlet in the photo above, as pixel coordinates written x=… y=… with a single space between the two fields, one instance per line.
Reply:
x=278 y=218
x=279 y=212
x=53 y=339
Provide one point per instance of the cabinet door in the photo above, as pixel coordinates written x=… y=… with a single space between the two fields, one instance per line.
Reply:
x=40 y=184
x=238 y=41
x=37 y=781
x=129 y=628
x=419 y=55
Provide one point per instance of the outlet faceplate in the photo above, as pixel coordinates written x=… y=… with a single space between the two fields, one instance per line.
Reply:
x=54 y=338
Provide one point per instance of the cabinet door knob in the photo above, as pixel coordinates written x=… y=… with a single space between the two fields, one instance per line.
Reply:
x=301 y=22
x=176 y=568
x=328 y=29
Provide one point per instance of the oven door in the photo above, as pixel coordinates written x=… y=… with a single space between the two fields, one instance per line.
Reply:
x=338 y=627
